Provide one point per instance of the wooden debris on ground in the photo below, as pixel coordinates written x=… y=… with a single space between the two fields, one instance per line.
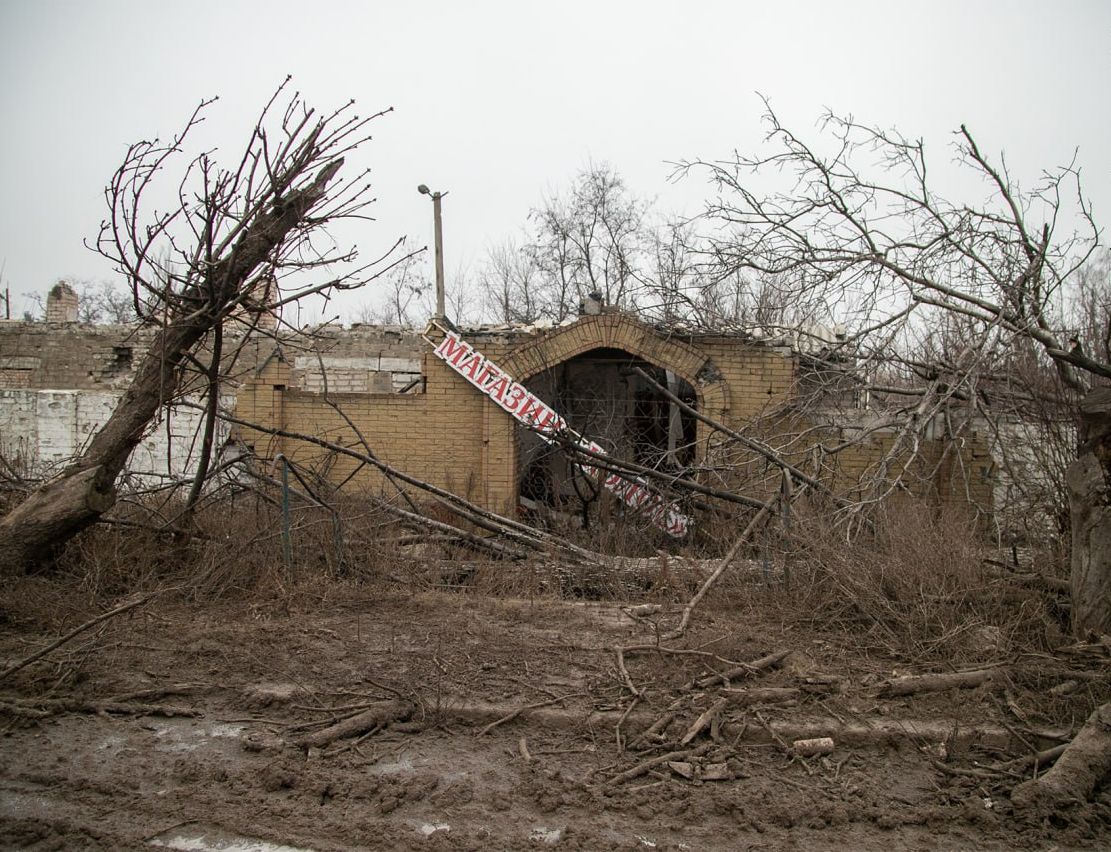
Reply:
x=916 y=684
x=381 y=714
x=1082 y=764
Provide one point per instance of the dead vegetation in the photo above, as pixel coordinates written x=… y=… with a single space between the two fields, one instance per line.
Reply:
x=811 y=670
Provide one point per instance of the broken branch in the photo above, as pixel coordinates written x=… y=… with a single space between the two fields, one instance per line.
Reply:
x=1081 y=766
x=77 y=631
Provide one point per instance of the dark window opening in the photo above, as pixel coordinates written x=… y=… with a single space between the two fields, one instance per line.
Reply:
x=604 y=399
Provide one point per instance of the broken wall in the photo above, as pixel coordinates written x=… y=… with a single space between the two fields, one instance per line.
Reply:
x=418 y=414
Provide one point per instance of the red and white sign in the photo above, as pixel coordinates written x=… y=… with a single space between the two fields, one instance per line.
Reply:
x=513 y=398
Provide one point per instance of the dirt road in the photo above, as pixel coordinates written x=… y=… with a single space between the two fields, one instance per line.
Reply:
x=181 y=725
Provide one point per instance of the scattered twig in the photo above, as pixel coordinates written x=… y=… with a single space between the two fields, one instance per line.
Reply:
x=646 y=765
x=77 y=631
x=1035 y=761
x=722 y=565
x=620 y=652
x=778 y=740
x=509 y=717
x=621 y=721
x=961 y=772
x=704 y=720
x=743 y=670
x=656 y=729
x=354 y=744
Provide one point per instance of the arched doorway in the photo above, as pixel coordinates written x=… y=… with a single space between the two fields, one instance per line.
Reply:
x=602 y=395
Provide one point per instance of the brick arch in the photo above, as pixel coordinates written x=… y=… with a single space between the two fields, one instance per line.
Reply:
x=565 y=342
x=617 y=331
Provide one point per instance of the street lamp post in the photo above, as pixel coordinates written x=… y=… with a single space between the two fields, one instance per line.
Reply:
x=439 y=229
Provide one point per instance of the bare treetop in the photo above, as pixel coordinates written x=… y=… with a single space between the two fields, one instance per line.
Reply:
x=860 y=225
x=180 y=260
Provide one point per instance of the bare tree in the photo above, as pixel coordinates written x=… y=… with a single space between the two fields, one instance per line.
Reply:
x=861 y=227
x=511 y=285
x=406 y=284
x=1088 y=310
x=241 y=241
x=592 y=239
x=105 y=302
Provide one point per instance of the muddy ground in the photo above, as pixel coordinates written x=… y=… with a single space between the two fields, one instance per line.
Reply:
x=203 y=707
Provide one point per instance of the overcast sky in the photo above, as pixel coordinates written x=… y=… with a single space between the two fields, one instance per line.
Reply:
x=499 y=103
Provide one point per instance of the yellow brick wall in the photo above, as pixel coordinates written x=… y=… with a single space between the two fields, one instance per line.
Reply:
x=454 y=437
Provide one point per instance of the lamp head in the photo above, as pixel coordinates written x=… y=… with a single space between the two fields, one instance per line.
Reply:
x=424 y=190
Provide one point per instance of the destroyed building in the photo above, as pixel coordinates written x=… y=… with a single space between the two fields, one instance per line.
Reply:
x=603 y=373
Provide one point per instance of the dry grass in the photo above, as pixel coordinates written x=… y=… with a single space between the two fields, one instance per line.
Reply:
x=913 y=588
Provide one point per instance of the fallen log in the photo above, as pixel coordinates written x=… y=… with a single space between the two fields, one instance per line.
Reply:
x=868 y=732
x=873 y=732
x=1081 y=766
x=380 y=714
x=743 y=670
x=916 y=684
x=163 y=691
x=761 y=695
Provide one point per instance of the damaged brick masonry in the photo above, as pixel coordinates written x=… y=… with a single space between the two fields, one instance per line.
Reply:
x=59 y=380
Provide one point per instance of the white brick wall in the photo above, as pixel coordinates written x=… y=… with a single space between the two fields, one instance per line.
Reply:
x=18 y=427
x=47 y=428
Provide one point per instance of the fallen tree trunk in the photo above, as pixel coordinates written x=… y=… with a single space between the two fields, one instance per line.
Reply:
x=380 y=714
x=45 y=707
x=916 y=684
x=50 y=515
x=867 y=732
x=1081 y=766
x=762 y=695
x=60 y=509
